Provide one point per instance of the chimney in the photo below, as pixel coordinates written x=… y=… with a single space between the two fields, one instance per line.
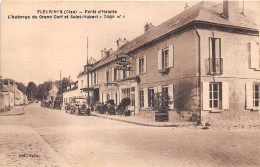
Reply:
x=111 y=51
x=103 y=53
x=148 y=27
x=186 y=6
x=231 y=10
x=120 y=42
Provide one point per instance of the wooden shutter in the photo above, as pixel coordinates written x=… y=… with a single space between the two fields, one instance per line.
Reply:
x=105 y=97
x=137 y=66
x=145 y=97
x=96 y=77
x=254 y=55
x=249 y=95
x=145 y=64
x=225 y=95
x=210 y=48
x=89 y=76
x=171 y=56
x=171 y=96
x=159 y=89
x=128 y=72
x=159 y=59
x=113 y=70
x=155 y=90
x=205 y=95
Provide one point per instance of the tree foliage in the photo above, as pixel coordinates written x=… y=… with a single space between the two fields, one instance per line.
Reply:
x=161 y=102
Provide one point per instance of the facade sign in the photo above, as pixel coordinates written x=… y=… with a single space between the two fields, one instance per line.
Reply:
x=125 y=68
x=123 y=55
x=123 y=63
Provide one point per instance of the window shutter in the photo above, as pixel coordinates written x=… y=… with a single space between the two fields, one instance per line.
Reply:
x=155 y=90
x=145 y=64
x=225 y=95
x=145 y=97
x=159 y=59
x=93 y=78
x=128 y=72
x=159 y=89
x=96 y=77
x=254 y=53
x=205 y=95
x=105 y=97
x=137 y=66
x=171 y=56
x=171 y=96
x=105 y=76
x=249 y=95
x=89 y=81
x=121 y=74
x=112 y=74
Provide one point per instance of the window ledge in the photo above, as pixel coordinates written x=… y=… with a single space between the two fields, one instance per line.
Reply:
x=255 y=109
x=216 y=111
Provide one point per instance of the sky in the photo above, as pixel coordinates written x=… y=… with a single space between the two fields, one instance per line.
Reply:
x=38 y=49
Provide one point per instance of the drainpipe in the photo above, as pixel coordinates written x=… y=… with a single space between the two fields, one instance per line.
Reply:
x=199 y=81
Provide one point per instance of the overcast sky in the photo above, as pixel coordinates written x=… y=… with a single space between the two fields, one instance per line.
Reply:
x=37 y=49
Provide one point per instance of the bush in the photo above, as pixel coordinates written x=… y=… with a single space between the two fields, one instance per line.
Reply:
x=162 y=102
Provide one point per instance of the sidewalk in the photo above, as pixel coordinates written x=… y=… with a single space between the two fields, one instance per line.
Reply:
x=144 y=122
x=22 y=146
x=16 y=110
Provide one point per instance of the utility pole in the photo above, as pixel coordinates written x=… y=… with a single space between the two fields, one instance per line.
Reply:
x=88 y=100
x=61 y=89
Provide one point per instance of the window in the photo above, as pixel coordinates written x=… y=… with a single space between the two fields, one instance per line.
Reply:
x=165 y=89
x=124 y=74
x=256 y=94
x=150 y=97
x=165 y=58
x=108 y=96
x=115 y=74
x=107 y=76
x=215 y=60
x=132 y=99
x=126 y=93
x=141 y=65
x=141 y=98
x=215 y=95
x=95 y=78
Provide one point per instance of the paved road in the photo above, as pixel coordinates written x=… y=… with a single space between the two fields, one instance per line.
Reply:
x=98 y=142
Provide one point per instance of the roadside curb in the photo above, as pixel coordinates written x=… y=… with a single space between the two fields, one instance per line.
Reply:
x=20 y=112
x=147 y=124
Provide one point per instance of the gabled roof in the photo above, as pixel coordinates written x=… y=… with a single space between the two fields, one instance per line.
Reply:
x=209 y=12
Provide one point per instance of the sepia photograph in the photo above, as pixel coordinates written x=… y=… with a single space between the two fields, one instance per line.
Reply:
x=129 y=83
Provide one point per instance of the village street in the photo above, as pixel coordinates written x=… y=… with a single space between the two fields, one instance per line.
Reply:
x=45 y=137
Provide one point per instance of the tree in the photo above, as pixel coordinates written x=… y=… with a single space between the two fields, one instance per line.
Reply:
x=21 y=87
x=43 y=90
x=32 y=91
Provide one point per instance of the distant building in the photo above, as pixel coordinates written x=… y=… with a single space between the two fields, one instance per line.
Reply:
x=53 y=93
